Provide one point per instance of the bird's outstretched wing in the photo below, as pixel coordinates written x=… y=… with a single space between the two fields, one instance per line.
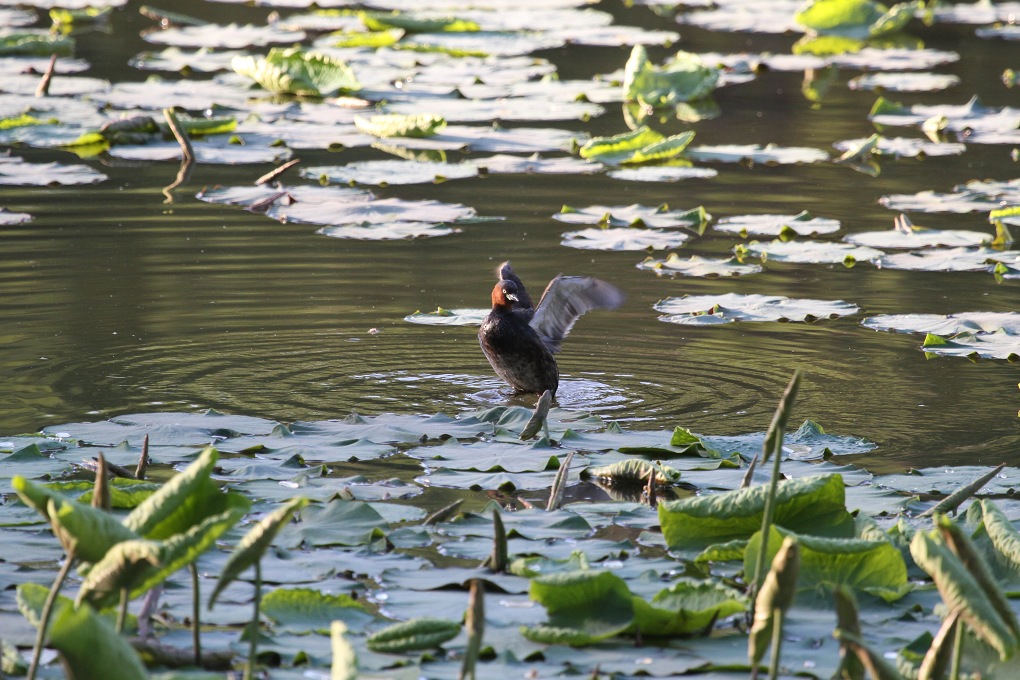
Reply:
x=565 y=299
x=506 y=273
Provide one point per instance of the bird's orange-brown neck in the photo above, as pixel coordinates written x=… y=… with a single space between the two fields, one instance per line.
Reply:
x=499 y=298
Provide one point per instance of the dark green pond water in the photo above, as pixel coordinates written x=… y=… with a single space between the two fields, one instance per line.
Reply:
x=113 y=301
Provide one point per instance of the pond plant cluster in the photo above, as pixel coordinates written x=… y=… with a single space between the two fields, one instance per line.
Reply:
x=281 y=547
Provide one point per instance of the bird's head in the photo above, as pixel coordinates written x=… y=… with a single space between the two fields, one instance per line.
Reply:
x=504 y=294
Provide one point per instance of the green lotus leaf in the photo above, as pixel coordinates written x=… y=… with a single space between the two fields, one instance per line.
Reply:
x=813 y=505
x=295 y=71
x=684 y=78
x=399 y=125
x=421 y=633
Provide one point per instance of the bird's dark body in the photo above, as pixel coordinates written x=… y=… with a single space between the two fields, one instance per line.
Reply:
x=519 y=338
x=516 y=352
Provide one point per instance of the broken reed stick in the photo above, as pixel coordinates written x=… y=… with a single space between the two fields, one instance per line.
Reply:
x=180 y=134
x=277 y=171
x=43 y=90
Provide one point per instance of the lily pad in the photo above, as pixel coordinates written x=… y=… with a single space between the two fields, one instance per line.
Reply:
x=231 y=36
x=1000 y=344
x=8 y=217
x=816 y=252
x=386 y=172
x=632 y=216
x=946 y=324
x=899 y=147
x=904 y=82
x=696 y=265
x=974 y=196
x=389 y=231
x=16 y=172
x=662 y=173
x=449 y=317
x=905 y=234
x=769 y=154
x=802 y=224
x=504 y=164
x=948 y=259
x=730 y=307
x=624 y=238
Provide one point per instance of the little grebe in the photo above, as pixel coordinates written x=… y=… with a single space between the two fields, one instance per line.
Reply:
x=519 y=339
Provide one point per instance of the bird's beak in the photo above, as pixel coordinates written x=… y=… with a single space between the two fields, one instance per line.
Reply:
x=510 y=296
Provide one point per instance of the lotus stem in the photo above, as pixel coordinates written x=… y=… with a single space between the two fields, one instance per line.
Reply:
x=180 y=134
x=249 y=669
x=122 y=610
x=277 y=171
x=779 y=616
x=954 y=668
x=143 y=460
x=196 y=607
x=47 y=611
x=559 y=484
x=773 y=446
x=43 y=90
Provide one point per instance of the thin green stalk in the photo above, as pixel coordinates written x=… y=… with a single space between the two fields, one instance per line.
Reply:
x=773 y=447
x=954 y=668
x=44 y=617
x=779 y=616
x=196 y=607
x=249 y=670
x=122 y=610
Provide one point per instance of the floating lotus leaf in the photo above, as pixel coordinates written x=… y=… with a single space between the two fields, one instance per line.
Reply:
x=905 y=234
x=216 y=150
x=563 y=165
x=947 y=324
x=730 y=307
x=156 y=93
x=232 y=36
x=8 y=217
x=1000 y=344
x=948 y=259
x=515 y=108
x=632 y=216
x=490 y=43
x=802 y=224
x=904 y=82
x=975 y=195
x=769 y=154
x=16 y=172
x=487 y=456
x=696 y=265
x=1006 y=31
x=972 y=116
x=386 y=172
x=662 y=173
x=817 y=252
x=732 y=15
x=904 y=147
x=449 y=317
x=389 y=231
x=624 y=238
x=176 y=60
x=893 y=58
